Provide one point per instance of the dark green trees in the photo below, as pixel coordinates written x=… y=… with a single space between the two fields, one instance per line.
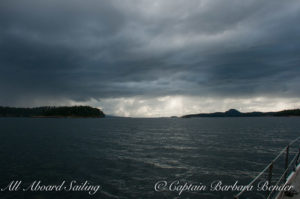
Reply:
x=50 y=111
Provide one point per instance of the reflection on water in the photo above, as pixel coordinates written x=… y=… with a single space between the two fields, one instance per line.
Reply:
x=128 y=156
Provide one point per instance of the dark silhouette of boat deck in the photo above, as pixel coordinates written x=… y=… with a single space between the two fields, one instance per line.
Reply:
x=290 y=177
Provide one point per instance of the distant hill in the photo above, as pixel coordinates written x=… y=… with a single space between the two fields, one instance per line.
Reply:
x=236 y=113
x=51 y=111
x=293 y=112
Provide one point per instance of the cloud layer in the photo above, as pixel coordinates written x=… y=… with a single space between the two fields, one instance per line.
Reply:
x=78 y=51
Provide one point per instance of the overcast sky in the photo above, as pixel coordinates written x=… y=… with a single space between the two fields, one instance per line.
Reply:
x=151 y=58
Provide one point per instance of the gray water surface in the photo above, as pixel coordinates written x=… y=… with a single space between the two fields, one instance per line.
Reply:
x=128 y=156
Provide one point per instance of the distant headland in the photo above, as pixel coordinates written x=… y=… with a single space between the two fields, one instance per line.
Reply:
x=236 y=113
x=52 y=111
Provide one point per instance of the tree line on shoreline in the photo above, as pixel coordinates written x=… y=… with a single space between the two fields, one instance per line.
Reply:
x=52 y=111
x=236 y=113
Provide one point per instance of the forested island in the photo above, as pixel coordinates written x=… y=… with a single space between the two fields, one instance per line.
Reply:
x=52 y=111
x=236 y=113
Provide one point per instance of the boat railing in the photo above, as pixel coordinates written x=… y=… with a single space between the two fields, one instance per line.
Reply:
x=288 y=159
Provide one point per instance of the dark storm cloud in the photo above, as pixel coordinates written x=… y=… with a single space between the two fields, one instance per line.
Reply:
x=79 y=50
